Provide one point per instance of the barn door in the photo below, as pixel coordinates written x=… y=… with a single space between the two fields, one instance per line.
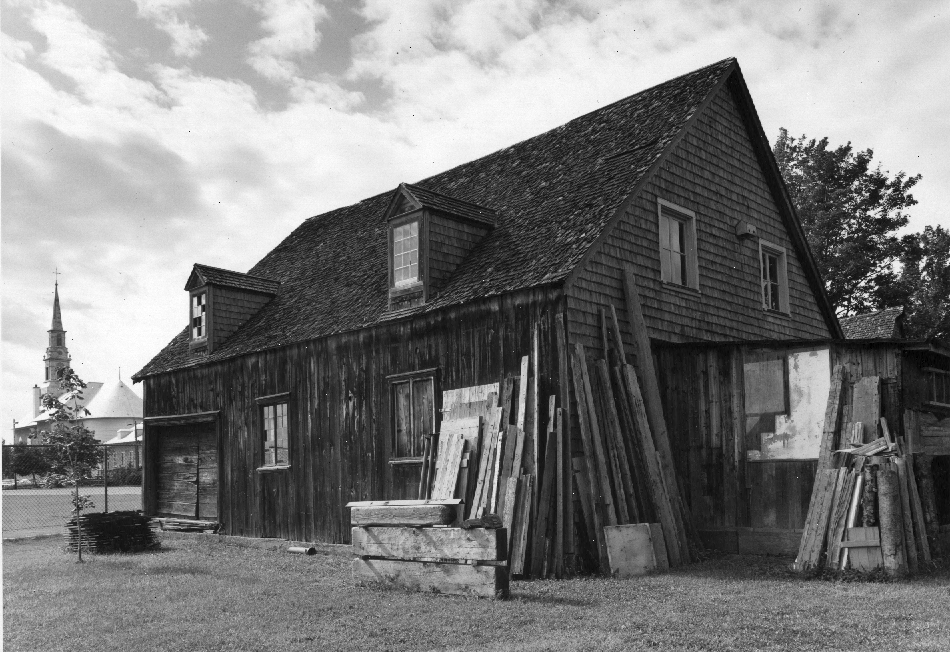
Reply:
x=188 y=471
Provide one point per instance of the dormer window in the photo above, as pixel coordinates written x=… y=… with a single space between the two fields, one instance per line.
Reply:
x=406 y=254
x=199 y=316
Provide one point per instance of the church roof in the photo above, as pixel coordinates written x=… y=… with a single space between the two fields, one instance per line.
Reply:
x=115 y=400
x=57 y=315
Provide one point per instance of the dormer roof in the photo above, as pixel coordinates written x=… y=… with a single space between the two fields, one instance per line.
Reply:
x=207 y=275
x=412 y=197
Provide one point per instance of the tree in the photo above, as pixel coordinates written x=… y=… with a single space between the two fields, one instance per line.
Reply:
x=923 y=283
x=73 y=451
x=29 y=460
x=850 y=212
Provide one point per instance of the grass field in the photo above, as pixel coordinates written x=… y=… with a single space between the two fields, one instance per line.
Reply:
x=204 y=595
x=31 y=512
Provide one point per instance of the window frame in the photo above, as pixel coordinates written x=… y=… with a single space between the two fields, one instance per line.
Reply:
x=411 y=377
x=264 y=402
x=418 y=289
x=206 y=338
x=781 y=255
x=668 y=212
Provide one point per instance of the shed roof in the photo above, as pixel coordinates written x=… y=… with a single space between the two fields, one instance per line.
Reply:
x=553 y=194
x=206 y=274
x=881 y=324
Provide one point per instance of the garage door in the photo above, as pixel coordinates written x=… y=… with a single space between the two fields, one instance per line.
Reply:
x=188 y=471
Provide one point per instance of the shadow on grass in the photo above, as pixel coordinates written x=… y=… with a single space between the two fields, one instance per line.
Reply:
x=548 y=599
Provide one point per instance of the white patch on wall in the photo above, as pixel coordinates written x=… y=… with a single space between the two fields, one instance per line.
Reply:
x=797 y=434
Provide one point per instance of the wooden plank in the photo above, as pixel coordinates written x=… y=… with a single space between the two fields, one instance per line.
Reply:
x=404 y=515
x=631 y=549
x=839 y=517
x=816 y=524
x=522 y=393
x=662 y=503
x=864 y=546
x=654 y=406
x=433 y=577
x=401 y=503
x=475 y=544
x=619 y=458
x=521 y=523
x=891 y=519
x=564 y=543
x=450 y=457
x=920 y=524
x=910 y=540
x=542 y=535
x=866 y=406
x=829 y=434
x=596 y=500
x=596 y=438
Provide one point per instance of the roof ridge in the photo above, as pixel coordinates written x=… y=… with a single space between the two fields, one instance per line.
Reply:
x=231 y=271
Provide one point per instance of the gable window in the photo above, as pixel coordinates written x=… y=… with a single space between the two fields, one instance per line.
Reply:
x=406 y=254
x=275 y=431
x=199 y=315
x=774 y=277
x=678 y=265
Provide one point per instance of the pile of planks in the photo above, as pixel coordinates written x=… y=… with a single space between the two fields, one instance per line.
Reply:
x=868 y=506
x=411 y=544
x=126 y=531
x=187 y=525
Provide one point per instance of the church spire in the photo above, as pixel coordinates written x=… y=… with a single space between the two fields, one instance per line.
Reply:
x=57 y=317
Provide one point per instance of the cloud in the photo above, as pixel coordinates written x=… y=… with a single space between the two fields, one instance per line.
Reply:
x=292 y=28
x=186 y=39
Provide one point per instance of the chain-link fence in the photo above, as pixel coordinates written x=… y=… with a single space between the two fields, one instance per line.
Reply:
x=37 y=501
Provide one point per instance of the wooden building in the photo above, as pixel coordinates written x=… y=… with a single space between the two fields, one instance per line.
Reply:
x=310 y=381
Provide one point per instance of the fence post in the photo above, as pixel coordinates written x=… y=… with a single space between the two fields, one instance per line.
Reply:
x=105 y=479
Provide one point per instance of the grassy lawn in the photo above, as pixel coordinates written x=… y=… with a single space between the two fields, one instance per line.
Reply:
x=203 y=595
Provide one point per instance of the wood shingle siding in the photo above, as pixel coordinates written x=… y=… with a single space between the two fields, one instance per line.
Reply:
x=713 y=171
x=450 y=242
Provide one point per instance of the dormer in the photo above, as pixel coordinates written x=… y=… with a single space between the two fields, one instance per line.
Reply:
x=430 y=234
x=220 y=302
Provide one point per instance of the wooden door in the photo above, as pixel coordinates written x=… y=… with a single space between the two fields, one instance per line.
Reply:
x=188 y=472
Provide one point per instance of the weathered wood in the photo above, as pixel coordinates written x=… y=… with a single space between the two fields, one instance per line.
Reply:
x=632 y=549
x=843 y=501
x=659 y=492
x=635 y=454
x=542 y=534
x=920 y=522
x=615 y=440
x=433 y=577
x=584 y=496
x=910 y=541
x=658 y=431
x=866 y=405
x=402 y=503
x=829 y=434
x=869 y=497
x=593 y=478
x=565 y=563
x=476 y=544
x=404 y=515
x=521 y=523
x=923 y=472
x=450 y=457
x=586 y=402
x=891 y=519
x=863 y=544
x=871 y=448
x=816 y=524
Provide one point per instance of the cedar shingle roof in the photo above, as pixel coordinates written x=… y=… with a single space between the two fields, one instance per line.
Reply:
x=218 y=276
x=451 y=205
x=875 y=325
x=554 y=194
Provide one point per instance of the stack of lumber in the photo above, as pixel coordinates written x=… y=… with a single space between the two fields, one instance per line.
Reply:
x=126 y=531
x=187 y=525
x=868 y=506
x=409 y=544
x=626 y=474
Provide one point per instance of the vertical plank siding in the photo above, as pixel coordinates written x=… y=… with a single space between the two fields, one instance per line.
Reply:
x=339 y=407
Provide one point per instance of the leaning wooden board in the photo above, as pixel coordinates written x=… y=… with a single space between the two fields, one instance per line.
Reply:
x=432 y=577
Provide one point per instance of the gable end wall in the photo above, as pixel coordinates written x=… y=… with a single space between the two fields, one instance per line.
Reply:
x=712 y=171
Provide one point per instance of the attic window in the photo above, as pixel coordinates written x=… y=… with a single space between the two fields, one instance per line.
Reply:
x=774 y=277
x=678 y=265
x=199 y=316
x=406 y=254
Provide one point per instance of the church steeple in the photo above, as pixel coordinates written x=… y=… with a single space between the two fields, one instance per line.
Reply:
x=57 y=355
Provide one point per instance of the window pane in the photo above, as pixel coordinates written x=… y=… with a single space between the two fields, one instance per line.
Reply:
x=402 y=420
x=422 y=412
x=677 y=267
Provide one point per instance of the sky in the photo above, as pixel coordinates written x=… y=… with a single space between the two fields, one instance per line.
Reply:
x=142 y=136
